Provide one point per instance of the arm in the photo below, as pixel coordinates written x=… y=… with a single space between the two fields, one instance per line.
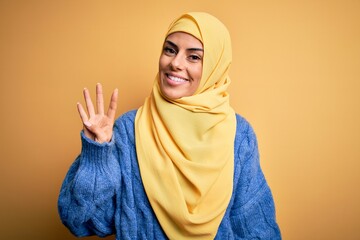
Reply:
x=253 y=211
x=87 y=197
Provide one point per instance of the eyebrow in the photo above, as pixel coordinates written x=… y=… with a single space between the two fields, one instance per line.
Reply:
x=188 y=49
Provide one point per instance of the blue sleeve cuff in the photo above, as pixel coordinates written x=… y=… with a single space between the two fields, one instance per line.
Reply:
x=93 y=150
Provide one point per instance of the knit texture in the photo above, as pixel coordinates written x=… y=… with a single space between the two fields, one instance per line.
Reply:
x=103 y=194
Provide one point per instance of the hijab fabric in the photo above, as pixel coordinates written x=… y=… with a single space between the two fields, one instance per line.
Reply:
x=185 y=147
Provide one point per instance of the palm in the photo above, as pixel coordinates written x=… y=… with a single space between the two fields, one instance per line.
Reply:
x=97 y=125
x=104 y=125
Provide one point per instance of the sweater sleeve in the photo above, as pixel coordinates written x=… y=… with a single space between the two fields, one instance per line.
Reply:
x=253 y=211
x=87 y=197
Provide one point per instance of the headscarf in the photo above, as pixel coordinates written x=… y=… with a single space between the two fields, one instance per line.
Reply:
x=185 y=147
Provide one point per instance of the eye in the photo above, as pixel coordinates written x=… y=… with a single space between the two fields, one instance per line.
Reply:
x=194 y=58
x=169 y=51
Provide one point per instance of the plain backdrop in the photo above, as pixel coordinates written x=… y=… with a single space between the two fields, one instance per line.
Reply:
x=295 y=77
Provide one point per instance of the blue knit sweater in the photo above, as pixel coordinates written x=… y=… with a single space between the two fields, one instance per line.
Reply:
x=103 y=193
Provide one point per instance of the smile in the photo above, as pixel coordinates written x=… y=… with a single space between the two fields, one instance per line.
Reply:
x=176 y=79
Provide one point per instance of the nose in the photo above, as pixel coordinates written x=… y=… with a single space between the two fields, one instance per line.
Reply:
x=177 y=63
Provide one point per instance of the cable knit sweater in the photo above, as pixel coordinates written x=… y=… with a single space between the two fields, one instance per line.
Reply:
x=103 y=194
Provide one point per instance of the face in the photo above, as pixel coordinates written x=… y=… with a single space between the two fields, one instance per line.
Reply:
x=180 y=65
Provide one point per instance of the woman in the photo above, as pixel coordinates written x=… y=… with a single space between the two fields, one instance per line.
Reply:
x=184 y=165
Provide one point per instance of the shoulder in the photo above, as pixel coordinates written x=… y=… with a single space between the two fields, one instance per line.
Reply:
x=245 y=141
x=125 y=126
x=244 y=130
x=128 y=117
x=126 y=120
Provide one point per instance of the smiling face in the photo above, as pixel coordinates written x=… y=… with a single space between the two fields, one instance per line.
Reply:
x=180 y=65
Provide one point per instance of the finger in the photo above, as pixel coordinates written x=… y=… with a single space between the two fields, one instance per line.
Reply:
x=88 y=130
x=85 y=121
x=99 y=99
x=89 y=104
x=96 y=133
x=113 y=105
x=82 y=113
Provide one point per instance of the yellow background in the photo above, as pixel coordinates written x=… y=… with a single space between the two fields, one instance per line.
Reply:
x=296 y=78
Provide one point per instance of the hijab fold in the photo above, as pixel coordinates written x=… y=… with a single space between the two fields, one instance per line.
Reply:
x=185 y=147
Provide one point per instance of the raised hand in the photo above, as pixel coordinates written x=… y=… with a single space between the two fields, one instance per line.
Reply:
x=98 y=126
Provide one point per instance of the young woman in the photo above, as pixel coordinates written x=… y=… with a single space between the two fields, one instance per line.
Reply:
x=182 y=166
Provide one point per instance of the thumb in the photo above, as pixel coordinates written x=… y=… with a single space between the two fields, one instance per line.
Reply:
x=88 y=130
x=94 y=129
x=88 y=125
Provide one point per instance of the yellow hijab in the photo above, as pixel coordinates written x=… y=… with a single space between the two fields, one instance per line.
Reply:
x=185 y=147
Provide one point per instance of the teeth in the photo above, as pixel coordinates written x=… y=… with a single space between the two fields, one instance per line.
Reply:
x=176 y=79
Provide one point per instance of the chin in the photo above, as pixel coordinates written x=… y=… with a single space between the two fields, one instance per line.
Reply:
x=171 y=96
x=168 y=92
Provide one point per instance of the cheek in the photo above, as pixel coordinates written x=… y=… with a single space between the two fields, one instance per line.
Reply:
x=198 y=74
x=162 y=62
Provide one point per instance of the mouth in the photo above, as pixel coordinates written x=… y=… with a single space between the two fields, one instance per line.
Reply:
x=176 y=78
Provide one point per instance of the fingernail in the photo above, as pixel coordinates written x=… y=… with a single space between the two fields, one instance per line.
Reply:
x=87 y=123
